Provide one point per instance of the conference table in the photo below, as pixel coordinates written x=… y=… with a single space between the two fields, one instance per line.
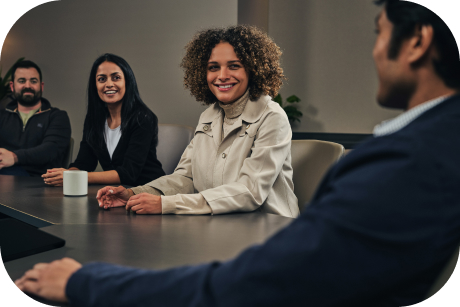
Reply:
x=121 y=237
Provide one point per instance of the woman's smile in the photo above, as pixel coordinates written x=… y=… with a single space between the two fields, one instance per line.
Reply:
x=224 y=87
x=227 y=78
x=110 y=82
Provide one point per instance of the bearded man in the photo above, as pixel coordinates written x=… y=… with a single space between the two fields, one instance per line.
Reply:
x=33 y=135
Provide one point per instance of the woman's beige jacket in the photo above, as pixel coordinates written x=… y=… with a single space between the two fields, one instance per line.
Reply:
x=250 y=169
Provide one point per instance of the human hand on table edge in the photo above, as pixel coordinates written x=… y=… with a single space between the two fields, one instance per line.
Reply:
x=110 y=197
x=54 y=176
x=145 y=203
x=7 y=158
x=49 y=280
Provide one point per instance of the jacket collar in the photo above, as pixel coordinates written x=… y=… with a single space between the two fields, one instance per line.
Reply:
x=251 y=114
x=13 y=105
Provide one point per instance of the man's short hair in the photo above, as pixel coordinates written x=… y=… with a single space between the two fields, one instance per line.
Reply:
x=405 y=16
x=25 y=64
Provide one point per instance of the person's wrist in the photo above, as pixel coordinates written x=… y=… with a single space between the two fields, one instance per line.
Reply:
x=15 y=158
x=67 y=289
x=90 y=176
x=130 y=193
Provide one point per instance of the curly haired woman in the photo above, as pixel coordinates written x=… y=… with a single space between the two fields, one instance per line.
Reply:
x=240 y=157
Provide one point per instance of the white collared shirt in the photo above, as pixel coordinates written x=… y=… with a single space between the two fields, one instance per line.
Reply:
x=393 y=125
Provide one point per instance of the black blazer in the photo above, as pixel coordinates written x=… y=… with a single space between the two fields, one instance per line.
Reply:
x=134 y=158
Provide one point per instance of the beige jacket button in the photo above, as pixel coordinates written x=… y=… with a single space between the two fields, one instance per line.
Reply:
x=205 y=127
x=224 y=155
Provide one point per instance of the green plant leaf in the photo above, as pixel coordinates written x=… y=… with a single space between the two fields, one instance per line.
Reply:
x=10 y=71
x=2 y=92
x=293 y=119
x=4 y=82
x=278 y=100
x=293 y=99
x=292 y=109
x=291 y=116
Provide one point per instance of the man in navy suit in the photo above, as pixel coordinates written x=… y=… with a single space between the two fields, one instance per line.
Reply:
x=380 y=228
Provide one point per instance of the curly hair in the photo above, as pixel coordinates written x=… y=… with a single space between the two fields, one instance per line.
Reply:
x=257 y=52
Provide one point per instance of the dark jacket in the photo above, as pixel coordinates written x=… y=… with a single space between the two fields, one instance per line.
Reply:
x=380 y=228
x=44 y=141
x=134 y=158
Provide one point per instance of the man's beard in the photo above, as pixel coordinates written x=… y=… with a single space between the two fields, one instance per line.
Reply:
x=28 y=100
x=397 y=96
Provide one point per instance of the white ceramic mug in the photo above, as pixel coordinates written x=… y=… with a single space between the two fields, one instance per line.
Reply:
x=75 y=183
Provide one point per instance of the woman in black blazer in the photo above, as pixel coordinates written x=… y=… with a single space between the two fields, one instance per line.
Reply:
x=120 y=131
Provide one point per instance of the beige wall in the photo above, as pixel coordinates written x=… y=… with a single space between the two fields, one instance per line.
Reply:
x=327 y=48
x=64 y=38
x=327 y=58
x=254 y=12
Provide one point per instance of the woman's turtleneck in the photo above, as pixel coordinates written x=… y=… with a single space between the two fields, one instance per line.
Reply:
x=235 y=109
x=232 y=111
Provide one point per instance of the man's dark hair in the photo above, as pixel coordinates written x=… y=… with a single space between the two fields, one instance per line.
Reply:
x=26 y=64
x=405 y=17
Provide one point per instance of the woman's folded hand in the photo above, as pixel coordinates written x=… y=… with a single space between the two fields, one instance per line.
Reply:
x=110 y=197
x=54 y=176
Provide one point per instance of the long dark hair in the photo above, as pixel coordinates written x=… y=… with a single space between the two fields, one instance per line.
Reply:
x=133 y=109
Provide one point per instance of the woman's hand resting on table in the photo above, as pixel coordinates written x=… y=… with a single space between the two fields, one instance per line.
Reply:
x=143 y=203
x=54 y=176
x=110 y=197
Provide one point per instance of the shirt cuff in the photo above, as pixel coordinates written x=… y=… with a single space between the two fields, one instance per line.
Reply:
x=168 y=204
x=185 y=204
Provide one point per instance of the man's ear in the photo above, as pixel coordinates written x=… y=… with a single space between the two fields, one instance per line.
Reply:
x=11 y=86
x=421 y=43
x=43 y=85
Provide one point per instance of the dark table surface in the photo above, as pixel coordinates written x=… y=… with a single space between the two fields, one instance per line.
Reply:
x=116 y=236
x=30 y=200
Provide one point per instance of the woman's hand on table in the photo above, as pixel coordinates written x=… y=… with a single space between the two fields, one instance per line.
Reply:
x=110 y=197
x=49 y=280
x=144 y=203
x=54 y=177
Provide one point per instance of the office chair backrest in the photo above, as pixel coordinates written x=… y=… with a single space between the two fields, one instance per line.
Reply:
x=5 y=101
x=310 y=161
x=172 y=141
x=68 y=154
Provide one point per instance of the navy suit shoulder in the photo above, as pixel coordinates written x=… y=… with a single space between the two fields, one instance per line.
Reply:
x=380 y=228
x=429 y=142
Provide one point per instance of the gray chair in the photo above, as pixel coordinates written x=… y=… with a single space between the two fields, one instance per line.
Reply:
x=68 y=154
x=172 y=141
x=310 y=161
